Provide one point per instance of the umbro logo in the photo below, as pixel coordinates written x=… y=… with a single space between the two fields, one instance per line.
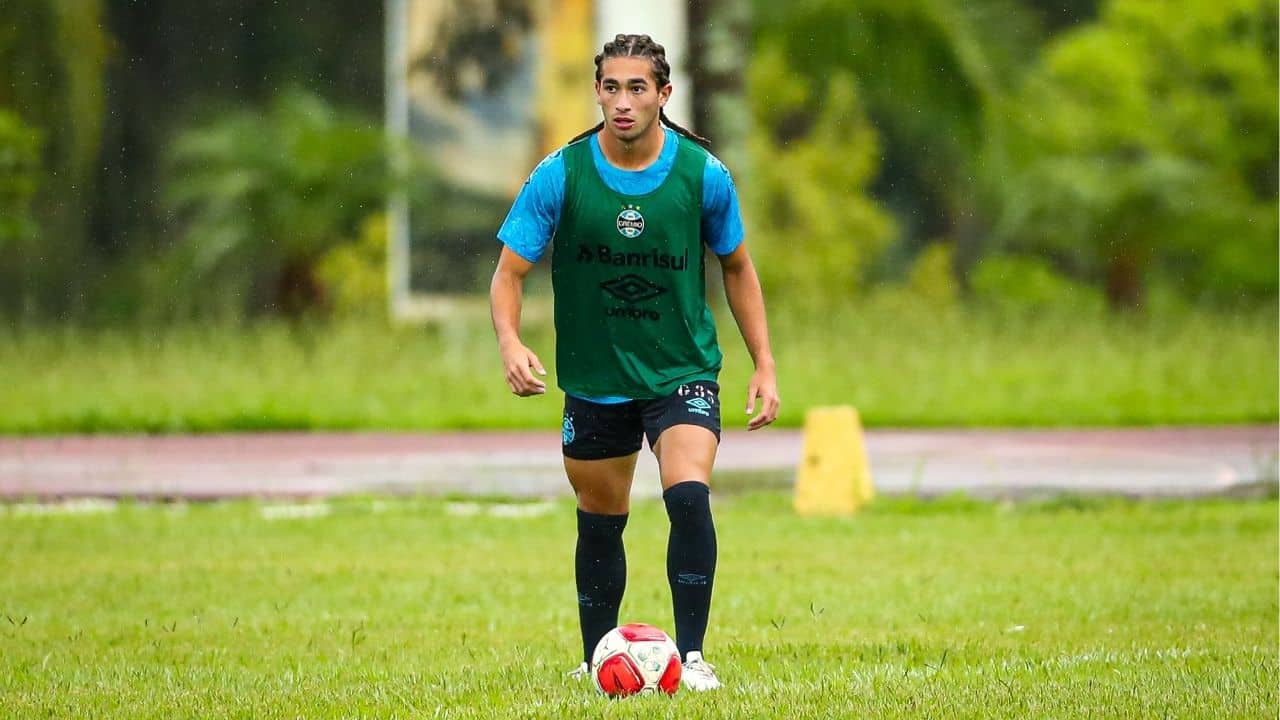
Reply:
x=632 y=288
x=699 y=406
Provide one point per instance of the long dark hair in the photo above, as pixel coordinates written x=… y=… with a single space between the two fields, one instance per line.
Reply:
x=643 y=46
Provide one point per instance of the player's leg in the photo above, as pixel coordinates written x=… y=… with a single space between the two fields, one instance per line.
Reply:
x=600 y=444
x=684 y=432
x=602 y=486
x=686 y=453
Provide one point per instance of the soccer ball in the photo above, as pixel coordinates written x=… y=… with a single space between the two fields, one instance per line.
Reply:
x=635 y=658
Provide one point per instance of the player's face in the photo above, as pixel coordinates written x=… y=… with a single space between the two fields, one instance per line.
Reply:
x=629 y=96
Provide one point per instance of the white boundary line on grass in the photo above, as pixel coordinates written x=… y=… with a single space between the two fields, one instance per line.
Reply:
x=293 y=511
x=507 y=510
x=81 y=506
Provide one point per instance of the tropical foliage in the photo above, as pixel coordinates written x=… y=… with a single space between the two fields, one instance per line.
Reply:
x=813 y=154
x=263 y=197
x=53 y=56
x=19 y=178
x=1148 y=143
x=931 y=75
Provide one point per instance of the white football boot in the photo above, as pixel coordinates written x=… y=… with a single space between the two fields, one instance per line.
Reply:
x=698 y=674
x=580 y=672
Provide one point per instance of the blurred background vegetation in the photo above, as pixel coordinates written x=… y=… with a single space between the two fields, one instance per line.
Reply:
x=163 y=163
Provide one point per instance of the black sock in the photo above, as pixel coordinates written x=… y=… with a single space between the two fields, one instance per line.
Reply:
x=601 y=572
x=691 y=561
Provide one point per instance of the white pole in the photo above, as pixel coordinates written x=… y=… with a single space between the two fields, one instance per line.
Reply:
x=397 y=129
x=665 y=22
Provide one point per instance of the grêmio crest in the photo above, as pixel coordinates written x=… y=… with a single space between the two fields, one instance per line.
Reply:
x=630 y=222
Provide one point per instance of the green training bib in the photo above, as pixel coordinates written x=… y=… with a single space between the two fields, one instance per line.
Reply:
x=631 y=313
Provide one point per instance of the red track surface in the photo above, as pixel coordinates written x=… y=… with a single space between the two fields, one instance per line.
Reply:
x=1157 y=461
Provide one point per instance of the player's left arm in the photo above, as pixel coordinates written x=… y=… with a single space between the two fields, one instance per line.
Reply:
x=723 y=233
x=746 y=300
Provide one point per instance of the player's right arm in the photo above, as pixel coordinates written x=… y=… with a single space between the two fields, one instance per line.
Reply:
x=505 y=294
x=524 y=235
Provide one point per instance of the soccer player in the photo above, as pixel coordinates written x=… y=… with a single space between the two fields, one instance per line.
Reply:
x=626 y=209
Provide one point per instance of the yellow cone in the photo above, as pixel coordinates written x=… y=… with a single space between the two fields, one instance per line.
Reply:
x=834 y=477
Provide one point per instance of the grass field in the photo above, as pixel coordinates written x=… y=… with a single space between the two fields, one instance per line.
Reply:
x=411 y=609
x=901 y=365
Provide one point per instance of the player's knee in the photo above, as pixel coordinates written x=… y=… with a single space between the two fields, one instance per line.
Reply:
x=606 y=503
x=601 y=526
x=688 y=502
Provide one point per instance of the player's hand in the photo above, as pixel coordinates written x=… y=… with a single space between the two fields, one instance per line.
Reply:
x=764 y=389
x=521 y=364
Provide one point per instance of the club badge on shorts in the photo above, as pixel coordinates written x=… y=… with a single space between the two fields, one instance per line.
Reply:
x=566 y=430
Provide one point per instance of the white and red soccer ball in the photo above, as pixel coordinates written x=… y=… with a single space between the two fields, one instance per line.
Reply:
x=636 y=658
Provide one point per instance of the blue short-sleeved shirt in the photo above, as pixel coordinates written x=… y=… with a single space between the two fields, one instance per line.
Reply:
x=534 y=216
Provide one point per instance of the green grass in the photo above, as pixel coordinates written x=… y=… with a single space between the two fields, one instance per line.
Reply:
x=398 y=608
x=900 y=365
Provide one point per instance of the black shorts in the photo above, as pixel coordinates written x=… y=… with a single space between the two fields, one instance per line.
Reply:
x=595 y=431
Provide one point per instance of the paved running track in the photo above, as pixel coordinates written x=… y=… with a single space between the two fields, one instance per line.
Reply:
x=1182 y=461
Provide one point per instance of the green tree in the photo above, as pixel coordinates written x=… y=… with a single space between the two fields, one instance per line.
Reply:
x=261 y=198
x=20 y=172
x=53 y=55
x=933 y=76
x=813 y=152
x=1146 y=143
